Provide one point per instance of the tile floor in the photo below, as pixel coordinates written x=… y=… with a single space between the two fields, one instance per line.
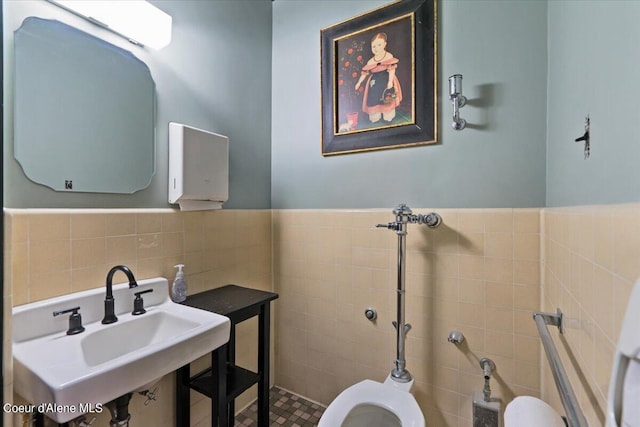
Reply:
x=287 y=410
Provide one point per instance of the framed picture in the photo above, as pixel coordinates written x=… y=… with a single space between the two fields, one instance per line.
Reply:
x=379 y=79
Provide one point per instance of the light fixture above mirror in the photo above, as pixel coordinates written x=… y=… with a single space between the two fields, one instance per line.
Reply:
x=138 y=21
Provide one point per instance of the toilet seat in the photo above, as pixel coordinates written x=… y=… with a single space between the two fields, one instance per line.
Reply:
x=369 y=393
x=624 y=386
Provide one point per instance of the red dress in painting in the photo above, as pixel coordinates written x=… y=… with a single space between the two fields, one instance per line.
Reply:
x=377 y=98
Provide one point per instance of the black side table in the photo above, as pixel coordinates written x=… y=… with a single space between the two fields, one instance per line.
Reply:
x=225 y=381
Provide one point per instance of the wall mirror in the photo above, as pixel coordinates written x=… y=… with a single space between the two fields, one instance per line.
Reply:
x=84 y=111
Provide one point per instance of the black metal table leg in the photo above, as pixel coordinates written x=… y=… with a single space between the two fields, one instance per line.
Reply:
x=263 y=366
x=219 y=414
x=183 y=410
x=231 y=361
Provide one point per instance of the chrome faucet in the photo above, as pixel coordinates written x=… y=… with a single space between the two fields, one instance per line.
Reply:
x=109 y=313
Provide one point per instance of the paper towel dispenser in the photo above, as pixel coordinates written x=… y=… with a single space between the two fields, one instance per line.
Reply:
x=198 y=168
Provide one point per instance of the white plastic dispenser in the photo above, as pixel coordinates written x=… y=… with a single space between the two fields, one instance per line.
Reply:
x=198 y=168
x=179 y=286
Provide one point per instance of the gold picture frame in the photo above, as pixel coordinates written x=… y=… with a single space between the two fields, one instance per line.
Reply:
x=378 y=79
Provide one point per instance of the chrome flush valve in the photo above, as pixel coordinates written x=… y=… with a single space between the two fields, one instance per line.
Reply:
x=404 y=215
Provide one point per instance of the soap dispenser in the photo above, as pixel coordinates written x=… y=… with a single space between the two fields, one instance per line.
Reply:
x=179 y=287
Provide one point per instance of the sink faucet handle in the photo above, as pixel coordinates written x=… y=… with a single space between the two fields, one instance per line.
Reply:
x=138 y=303
x=75 y=320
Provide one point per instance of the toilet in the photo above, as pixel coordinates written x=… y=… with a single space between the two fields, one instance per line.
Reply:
x=374 y=404
x=624 y=387
x=388 y=404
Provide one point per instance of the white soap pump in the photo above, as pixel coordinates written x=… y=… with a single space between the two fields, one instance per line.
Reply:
x=179 y=287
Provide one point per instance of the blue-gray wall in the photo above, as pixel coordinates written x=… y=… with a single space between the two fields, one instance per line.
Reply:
x=215 y=75
x=532 y=70
x=498 y=161
x=594 y=69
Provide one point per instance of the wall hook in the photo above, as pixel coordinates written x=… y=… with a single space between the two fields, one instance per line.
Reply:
x=586 y=138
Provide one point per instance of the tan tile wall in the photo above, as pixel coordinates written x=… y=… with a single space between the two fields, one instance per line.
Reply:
x=590 y=265
x=479 y=273
x=55 y=252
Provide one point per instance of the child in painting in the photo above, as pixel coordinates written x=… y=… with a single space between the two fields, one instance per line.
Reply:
x=382 y=92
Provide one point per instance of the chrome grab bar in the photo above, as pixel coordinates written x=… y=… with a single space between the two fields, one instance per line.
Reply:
x=573 y=411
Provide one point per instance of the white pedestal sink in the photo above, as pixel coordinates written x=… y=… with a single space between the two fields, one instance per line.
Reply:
x=73 y=373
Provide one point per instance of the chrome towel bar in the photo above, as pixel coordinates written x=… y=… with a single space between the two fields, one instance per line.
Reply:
x=573 y=411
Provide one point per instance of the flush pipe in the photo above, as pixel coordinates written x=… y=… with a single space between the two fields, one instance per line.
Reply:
x=404 y=215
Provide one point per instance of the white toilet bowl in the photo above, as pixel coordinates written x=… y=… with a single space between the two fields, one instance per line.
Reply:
x=373 y=404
